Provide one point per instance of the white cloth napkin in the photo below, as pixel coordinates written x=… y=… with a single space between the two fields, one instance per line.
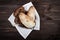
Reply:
x=24 y=32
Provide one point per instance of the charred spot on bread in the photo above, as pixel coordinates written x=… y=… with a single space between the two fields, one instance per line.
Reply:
x=18 y=10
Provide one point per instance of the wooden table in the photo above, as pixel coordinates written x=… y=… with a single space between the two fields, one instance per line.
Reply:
x=49 y=11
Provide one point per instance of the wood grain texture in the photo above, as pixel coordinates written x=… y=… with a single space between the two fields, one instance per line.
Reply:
x=49 y=11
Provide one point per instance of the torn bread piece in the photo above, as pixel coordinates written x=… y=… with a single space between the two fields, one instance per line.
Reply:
x=26 y=20
x=31 y=13
x=16 y=13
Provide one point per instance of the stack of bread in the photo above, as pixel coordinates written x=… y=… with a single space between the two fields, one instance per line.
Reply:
x=25 y=18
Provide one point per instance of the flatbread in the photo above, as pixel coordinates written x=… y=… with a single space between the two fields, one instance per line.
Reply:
x=26 y=20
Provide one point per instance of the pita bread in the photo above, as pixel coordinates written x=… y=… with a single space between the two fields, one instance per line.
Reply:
x=26 y=20
x=31 y=13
